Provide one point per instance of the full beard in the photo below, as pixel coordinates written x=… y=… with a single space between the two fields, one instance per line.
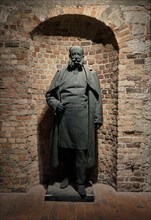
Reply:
x=73 y=65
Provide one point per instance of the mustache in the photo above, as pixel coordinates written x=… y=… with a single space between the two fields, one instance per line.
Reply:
x=72 y=65
x=76 y=59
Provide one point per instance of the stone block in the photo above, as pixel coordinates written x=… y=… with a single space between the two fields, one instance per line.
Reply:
x=54 y=193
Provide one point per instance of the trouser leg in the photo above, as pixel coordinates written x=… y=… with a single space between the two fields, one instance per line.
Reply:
x=68 y=161
x=80 y=162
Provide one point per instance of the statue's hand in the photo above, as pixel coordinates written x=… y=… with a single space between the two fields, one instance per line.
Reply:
x=60 y=108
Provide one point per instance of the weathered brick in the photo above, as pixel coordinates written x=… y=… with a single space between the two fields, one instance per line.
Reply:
x=132 y=56
x=12 y=44
x=139 y=61
x=29 y=66
x=133 y=90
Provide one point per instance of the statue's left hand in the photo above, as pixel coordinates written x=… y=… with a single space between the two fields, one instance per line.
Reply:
x=60 y=108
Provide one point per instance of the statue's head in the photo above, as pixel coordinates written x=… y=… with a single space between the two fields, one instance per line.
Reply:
x=76 y=55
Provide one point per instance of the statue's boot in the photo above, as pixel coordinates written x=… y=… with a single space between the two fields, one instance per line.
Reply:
x=64 y=183
x=81 y=190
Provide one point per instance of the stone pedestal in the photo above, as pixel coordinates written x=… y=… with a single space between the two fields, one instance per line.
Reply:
x=54 y=193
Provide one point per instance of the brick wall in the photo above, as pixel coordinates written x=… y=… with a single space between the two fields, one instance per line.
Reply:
x=35 y=38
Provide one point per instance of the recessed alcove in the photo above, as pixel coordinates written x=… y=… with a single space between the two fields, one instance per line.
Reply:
x=48 y=53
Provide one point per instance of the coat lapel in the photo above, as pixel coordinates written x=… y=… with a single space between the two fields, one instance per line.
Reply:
x=91 y=80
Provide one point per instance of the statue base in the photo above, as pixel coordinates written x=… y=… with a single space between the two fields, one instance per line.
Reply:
x=69 y=194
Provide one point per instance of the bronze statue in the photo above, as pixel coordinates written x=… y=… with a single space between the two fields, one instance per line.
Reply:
x=75 y=98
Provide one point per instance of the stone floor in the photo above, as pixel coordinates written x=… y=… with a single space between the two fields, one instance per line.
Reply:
x=108 y=205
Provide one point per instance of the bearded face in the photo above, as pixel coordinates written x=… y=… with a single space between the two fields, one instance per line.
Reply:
x=76 y=56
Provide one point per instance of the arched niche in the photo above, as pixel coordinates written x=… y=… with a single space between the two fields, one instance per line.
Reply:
x=51 y=40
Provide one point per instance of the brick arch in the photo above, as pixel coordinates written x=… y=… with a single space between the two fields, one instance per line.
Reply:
x=122 y=32
x=51 y=39
x=91 y=11
x=109 y=36
x=75 y=25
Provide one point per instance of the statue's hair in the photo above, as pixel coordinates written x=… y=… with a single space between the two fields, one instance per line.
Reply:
x=76 y=47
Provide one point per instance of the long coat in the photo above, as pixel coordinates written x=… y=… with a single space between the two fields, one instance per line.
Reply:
x=95 y=113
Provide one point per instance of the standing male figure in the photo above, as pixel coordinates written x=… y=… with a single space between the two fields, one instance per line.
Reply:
x=75 y=97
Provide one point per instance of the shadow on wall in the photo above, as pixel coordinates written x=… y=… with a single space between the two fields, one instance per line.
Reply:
x=77 y=26
x=82 y=27
x=44 y=129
